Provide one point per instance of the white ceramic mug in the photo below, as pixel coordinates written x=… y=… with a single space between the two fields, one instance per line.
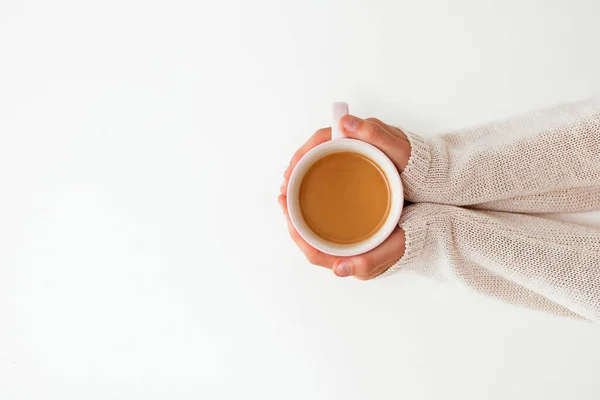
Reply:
x=341 y=143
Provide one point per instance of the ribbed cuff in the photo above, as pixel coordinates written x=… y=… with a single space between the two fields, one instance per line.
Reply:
x=415 y=224
x=414 y=176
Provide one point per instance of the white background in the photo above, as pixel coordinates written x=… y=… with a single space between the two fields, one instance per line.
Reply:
x=142 y=251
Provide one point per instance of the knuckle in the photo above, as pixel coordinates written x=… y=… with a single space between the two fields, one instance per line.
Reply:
x=370 y=131
x=374 y=120
x=363 y=267
x=293 y=234
x=322 y=131
x=320 y=136
x=312 y=258
x=295 y=158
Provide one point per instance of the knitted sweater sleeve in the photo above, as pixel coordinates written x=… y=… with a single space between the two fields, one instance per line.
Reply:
x=521 y=259
x=544 y=161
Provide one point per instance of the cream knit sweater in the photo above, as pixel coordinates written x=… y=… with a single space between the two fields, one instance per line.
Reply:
x=472 y=190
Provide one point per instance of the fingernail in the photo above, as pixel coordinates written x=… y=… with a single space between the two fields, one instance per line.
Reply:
x=282 y=187
x=350 y=123
x=343 y=269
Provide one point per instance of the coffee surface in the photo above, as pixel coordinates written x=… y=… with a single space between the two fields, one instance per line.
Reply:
x=344 y=197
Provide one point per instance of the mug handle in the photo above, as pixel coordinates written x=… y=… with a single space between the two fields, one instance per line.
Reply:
x=338 y=111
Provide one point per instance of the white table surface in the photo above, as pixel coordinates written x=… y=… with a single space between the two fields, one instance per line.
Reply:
x=142 y=251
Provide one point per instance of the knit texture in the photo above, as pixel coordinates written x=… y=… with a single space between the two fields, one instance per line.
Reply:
x=542 y=162
x=545 y=161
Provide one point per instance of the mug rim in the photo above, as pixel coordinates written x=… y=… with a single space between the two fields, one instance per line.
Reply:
x=396 y=193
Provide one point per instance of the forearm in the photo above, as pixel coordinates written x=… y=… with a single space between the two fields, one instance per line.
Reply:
x=524 y=260
x=544 y=161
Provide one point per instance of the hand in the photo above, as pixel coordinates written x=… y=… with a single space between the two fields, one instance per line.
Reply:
x=395 y=145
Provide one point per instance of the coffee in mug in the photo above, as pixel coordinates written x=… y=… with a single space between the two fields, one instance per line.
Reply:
x=344 y=197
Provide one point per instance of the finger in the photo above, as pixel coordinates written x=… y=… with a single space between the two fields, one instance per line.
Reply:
x=398 y=150
x=320 y=136
x=313 y=255
x=381 y=258
x=372 y=263
x=394 y=130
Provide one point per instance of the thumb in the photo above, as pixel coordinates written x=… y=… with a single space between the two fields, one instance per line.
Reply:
x=375 y=262
x=396 y=149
